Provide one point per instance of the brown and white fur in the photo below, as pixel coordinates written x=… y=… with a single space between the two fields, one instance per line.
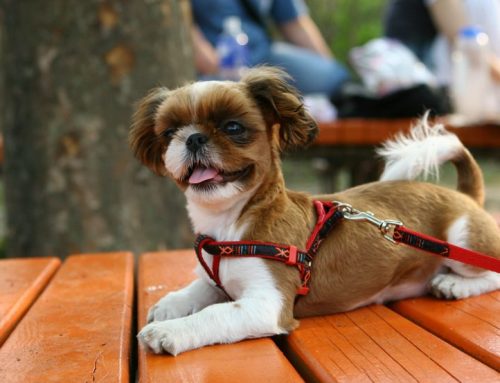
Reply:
x=221 y=143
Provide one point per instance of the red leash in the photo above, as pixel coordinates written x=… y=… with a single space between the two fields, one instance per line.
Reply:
x=436 y=246
x=420 y=241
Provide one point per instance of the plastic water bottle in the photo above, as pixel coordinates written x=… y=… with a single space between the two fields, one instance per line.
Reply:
x=232 y=48
x=472 y=88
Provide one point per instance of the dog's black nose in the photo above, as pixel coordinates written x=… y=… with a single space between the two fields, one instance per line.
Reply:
x=196 y=141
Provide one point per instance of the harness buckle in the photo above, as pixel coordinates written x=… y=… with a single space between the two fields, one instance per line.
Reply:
x=292 y=256
x=303 y=290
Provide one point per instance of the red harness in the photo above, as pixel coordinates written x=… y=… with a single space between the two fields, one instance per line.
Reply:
x=328 y=215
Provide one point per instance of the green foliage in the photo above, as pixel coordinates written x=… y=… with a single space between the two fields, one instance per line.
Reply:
x=347 y=23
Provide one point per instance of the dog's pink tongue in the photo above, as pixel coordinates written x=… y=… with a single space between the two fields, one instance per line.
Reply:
x=203 y=174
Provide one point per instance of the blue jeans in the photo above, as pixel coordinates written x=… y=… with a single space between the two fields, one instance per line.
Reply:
x=311 y=72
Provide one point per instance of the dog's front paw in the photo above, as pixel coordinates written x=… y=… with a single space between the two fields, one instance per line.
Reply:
x=160 y=337
x=171 y=306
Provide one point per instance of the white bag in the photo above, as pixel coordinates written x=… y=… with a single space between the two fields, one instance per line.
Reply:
x=386 y=65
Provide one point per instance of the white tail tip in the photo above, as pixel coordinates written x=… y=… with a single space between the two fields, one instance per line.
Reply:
x=420 y=152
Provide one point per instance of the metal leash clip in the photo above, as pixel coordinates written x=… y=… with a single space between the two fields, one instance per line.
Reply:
x=384 y=225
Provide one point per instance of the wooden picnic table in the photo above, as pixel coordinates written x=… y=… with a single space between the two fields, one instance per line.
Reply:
x=80 y=327
x=80 y=324
x=254 y=360
x=21 y=282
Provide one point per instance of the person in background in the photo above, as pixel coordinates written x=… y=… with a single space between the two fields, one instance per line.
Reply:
x=304 y=54
x=429 y=28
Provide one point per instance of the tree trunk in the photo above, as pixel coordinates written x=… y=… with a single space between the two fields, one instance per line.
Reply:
x=73 y=71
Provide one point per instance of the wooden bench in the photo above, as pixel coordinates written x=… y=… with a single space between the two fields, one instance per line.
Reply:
x=250 y=361
x=348 y=144
x=369 y=132
x=374 y=343
x=21 y=282
x=79 y=330
x=473 y=325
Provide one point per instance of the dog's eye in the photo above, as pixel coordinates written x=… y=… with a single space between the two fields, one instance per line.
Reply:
x=232 y=128
x=168 y=133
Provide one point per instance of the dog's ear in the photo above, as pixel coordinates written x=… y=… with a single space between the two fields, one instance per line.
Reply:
x=144 y=141
x=271 y=89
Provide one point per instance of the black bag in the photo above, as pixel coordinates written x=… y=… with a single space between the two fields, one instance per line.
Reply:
x=355 y=101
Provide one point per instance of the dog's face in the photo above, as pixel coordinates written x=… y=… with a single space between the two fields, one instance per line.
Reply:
x=218 y=140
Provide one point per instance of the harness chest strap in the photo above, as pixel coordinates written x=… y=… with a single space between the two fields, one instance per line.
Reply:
x=327 y=217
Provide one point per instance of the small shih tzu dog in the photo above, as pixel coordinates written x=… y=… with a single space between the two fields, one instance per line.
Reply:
x=221 y=142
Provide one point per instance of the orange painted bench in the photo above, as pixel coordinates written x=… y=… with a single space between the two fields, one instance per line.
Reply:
x=21 y=282
x=79 y=329
x=473 y=325
x=373 y=343
x=376 y=344
x=370 y=132
x=257 y=360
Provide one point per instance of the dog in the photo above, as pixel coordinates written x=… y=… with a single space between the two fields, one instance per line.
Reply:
x=221 y=143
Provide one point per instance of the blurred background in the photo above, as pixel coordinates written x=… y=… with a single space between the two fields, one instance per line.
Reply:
x=70 y=74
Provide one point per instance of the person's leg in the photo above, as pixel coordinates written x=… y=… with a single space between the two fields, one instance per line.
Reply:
x=312 y=73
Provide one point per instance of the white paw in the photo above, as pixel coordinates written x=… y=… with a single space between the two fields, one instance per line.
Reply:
x=453 y=286
x=171 y=306
x=160 y=337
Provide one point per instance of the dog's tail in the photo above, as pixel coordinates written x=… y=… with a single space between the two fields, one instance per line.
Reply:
x=423 y=150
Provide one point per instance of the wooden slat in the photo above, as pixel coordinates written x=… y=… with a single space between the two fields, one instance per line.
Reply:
x=375 y=344
x=471 y=324
x=369 y=132
x=79 y=329
x=21 y=282
x=255 y=360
